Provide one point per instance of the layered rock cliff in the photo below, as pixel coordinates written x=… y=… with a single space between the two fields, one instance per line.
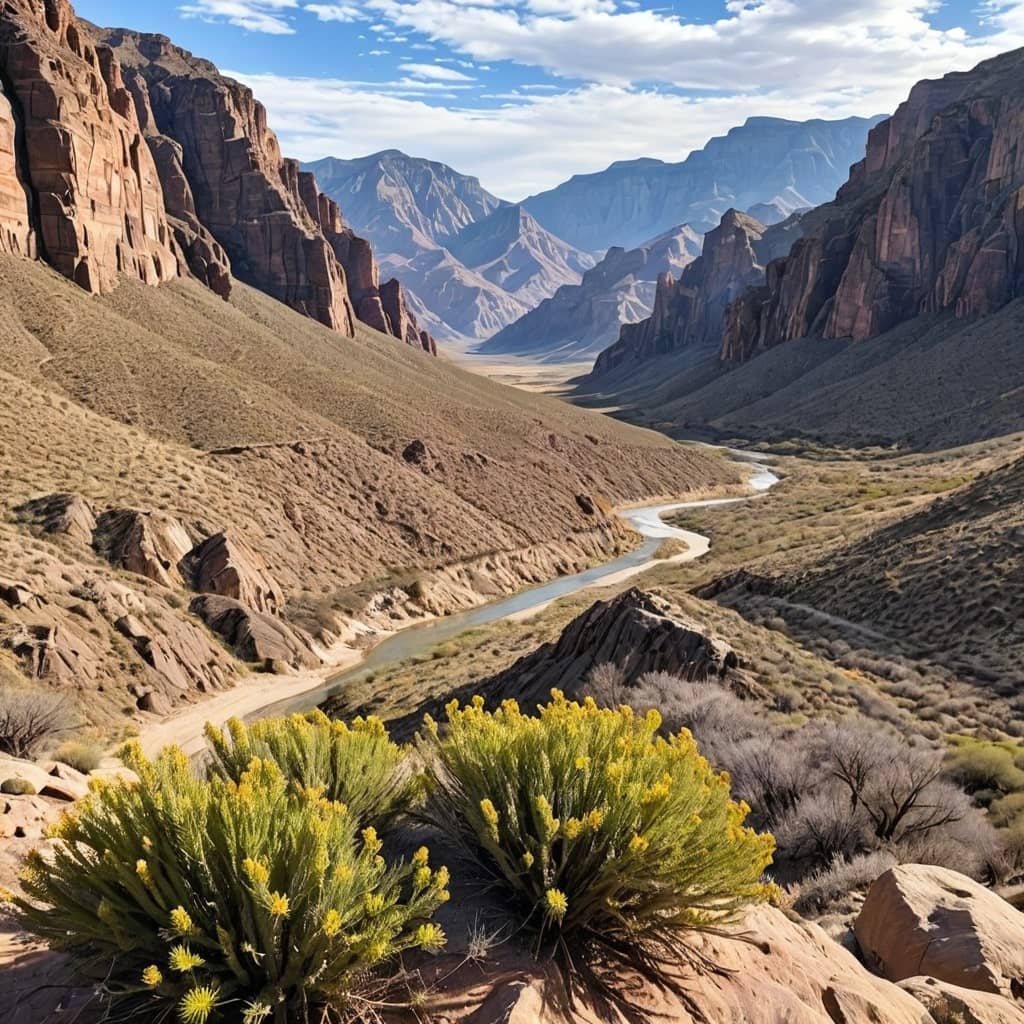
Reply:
x=688 y=312
x=931 y=220
x=122 y=156
x=77 y=182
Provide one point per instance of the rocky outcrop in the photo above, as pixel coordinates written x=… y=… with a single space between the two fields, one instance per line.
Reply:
x=948 y=1002
x=253 y=636
x=582 y=319
x=689 y=312
x=637 y=631
x=63 y=513
x=96 y=205
x=17 y=234
x=931 y=220
x=148 y=543
x=225 y=564
x=921 y=920
x=787 y=165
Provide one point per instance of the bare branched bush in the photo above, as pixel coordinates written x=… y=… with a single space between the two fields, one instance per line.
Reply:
x=607 y=684
x=28 y=718
x=826 y=886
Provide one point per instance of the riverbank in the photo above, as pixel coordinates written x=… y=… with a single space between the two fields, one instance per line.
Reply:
x=264 y=695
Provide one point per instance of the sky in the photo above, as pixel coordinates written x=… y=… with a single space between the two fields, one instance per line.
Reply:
x=525 y=93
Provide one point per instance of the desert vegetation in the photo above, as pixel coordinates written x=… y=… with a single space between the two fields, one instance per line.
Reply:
x=609 y=839
x=30 y=718
x=253 y=888
x=844 y=797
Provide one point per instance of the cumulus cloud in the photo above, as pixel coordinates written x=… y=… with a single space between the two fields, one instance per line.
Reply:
x=436 y=71
x=254 y=15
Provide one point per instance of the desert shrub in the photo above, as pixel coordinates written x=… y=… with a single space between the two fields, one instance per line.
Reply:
x=29 y=717
x=979 y=765
x=225 y=901
x=1007 y=811
x=826 y=886
x=607 y=837
x=356 y=764
x=80 y=755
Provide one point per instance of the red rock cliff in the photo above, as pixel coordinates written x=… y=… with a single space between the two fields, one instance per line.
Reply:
x=70 y=145
x=931 y=220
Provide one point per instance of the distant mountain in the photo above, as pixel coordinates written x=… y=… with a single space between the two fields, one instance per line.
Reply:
x=474 y=263
x=401 y=203
x=580 y=320
x=785 y=165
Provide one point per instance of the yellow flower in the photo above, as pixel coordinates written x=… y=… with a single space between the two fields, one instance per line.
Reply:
x=370 y=840
x=374 y=903
x=197 y=1004
x=527 y=860
x=256 y=872
x=491 y=817
x=572 y=828
x=180 y=921
x=332 y=923
x=430 y=937
x=421 y=878
x=182 y=959
x=582 y=763
x=378 y=950
x=152 y=976
x=142 y=870
x=279 y=906
x=421 y=857
x=638 y=844
x=595 y=819
x=556 y=904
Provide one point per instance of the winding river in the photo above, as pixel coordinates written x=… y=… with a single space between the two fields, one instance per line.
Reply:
x=647 y=520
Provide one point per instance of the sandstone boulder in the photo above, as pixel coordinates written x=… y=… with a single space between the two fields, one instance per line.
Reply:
x=148 y=543
x=253 y=636
x=48 y=778
x=18 y=594
x=61 y=513
x=948 y=1002
x=923 y=920
x=225 y=564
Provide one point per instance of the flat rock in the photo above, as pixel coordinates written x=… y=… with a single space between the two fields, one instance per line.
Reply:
x=948 y=1002
x=923 y=920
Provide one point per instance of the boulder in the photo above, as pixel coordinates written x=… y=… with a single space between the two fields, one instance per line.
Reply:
x=948 y=1002
x=225 y=564
x=47 y=778
x=148 y=543
x=62 y=513
x=18 y=594
x=924 y=920
x=253 y=636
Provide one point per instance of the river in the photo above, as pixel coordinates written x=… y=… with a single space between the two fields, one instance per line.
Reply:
x=647 y=520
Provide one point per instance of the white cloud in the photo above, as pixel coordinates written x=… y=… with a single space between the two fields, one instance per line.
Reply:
x=434 y=71
x=335 y=12
x=254 y=15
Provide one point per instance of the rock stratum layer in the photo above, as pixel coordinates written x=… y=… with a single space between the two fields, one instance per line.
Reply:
x=931 y=220
x=122 y=156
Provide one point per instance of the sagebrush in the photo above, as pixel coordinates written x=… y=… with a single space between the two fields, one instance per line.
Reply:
x=225 y=901
x=607 y=837
x=356 y=764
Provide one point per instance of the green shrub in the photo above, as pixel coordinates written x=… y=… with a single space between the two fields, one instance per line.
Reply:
x=17 y=786
x=357 y=765
x=235 y=902
x=983 y=765
x=82 y=756
x=607 y=837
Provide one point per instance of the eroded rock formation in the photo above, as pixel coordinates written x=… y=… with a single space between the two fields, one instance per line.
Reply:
x=931 y=220
x=125 y=156
x=97 y=210
x=689 y=311
x=252 y=635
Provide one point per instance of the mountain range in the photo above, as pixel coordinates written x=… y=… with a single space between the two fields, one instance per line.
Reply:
x=901 y=295
x=421 y=215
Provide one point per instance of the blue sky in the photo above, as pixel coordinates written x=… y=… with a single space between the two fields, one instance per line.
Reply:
x=524 y=93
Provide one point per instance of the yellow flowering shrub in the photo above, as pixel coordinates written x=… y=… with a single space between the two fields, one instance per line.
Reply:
x=222 y=900
x=357 y=764
x=603 y=832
